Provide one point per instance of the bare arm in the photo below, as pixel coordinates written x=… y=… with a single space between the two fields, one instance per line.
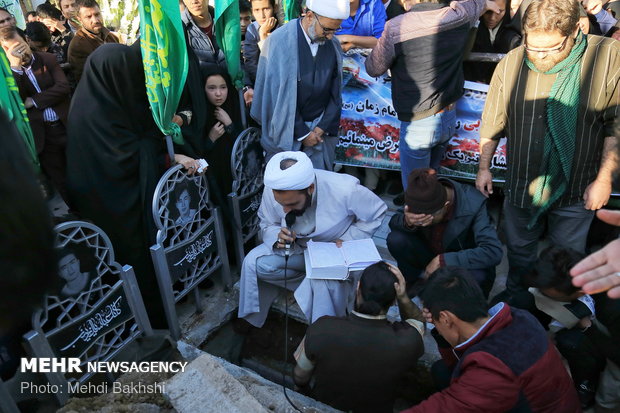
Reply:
x=408 y=310
x=484 y=178
x=349 y=41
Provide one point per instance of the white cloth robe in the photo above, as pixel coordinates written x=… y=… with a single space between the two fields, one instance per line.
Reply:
x=345 y=210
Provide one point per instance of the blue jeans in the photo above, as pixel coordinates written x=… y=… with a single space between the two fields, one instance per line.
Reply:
x=423 y=142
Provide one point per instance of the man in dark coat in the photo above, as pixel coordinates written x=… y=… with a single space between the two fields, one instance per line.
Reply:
x=444 y=224
x=45 y=91
x=89 y=37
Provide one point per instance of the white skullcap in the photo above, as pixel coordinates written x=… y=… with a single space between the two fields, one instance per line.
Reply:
x=333 y=9
x=298 y=176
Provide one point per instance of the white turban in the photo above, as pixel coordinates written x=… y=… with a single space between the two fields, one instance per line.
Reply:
x=298 y=176
x=332 y=9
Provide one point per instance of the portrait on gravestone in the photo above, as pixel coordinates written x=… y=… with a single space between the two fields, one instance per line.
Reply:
x=185 y=200
x=253 y=159
x=76 y=269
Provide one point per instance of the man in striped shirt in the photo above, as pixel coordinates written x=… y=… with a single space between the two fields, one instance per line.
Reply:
x=555 y=98
x=45 y=92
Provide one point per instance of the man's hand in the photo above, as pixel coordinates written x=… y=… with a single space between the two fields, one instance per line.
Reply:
x=417 y=220
x=347 y=46
x=15 y=55
x=597 y=195
x=286 y=236
x=248 y=96
x=338 y=243
x=28 y=103
x=432 y=267
x=428 y=317
x=601 y=271
x=54 y=25
x=400 y=286
x=312 y=139
x=346 y=42
x=484 y=182
x=265 y=29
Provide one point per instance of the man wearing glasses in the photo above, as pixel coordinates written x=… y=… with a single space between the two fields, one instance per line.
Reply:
x=444 y=223
x=555 y=99
x=298 y=95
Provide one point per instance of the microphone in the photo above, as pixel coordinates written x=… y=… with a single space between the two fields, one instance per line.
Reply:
x=290 y=219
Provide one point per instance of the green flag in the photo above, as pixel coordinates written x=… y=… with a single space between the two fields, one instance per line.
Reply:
x=292 y=9
x=11 y=103
x=164 y=56
x=228 y=35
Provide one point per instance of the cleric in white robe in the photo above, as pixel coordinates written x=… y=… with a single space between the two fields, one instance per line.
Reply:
x=328 y=206
x=298 y=89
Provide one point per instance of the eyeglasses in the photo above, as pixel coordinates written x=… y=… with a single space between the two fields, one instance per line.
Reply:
x=551 y=50
x=326 y=29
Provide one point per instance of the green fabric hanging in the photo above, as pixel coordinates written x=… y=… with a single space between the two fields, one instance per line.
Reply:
x=292 y=9
x=164 y=57
x=228 y=36
x=11 y=103
x=559 y=142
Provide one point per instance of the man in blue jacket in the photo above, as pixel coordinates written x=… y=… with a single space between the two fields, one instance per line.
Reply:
x=444 y=223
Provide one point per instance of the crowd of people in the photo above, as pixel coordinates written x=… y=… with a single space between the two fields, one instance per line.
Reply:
x=555 y=96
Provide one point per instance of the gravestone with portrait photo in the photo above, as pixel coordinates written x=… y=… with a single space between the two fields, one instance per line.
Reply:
x=191 y=244
x=247 y=164
x=96 y=310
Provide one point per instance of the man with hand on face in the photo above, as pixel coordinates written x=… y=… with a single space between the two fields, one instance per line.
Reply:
x=46 y=94
x=445 y=223
x=68 y=10
x=495 y=361
x=555 y=99
x=298 y=90
x=264 y=11
x=52 y=18
x=91 y=35
x=327 y=207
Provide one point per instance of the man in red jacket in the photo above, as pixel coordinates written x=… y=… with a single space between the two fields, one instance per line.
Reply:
x=501 y=360
x=45 y=91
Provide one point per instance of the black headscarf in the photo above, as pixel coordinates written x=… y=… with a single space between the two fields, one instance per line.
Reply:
x=194 y=100
x=220 y=151
x=115 y=156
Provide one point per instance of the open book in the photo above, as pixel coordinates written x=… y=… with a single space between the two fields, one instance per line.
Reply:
x=325 y=261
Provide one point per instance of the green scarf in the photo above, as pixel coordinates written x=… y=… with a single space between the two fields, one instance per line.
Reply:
x=559 y=144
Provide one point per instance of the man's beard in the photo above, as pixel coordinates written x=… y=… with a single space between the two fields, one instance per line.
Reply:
x=320 y=40
x=549 y=61
x=300 y=212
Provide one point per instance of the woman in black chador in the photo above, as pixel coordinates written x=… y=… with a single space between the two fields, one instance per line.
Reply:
x=115 y=157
